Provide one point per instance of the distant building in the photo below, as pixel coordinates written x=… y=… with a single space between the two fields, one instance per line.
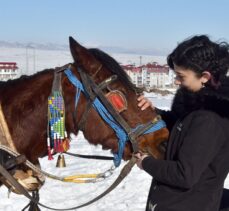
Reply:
x=151 y=75
x=8 y=70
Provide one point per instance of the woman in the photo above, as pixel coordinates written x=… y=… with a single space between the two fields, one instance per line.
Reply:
x=191 y=177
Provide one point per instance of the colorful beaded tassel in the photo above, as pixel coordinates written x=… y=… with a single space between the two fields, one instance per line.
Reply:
x=57 y=140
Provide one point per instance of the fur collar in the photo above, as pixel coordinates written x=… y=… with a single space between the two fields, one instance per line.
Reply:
x=207 y=98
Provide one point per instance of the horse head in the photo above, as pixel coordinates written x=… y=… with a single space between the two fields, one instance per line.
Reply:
x=102 y=76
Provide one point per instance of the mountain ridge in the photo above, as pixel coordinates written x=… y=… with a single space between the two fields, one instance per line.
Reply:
x=55 y=46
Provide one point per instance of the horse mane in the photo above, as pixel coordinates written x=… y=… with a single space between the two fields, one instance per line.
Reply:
x=22 y=79
x=115 y=68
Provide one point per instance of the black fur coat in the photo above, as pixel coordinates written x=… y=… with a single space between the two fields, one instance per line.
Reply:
x=186 y=101
x=197 y=157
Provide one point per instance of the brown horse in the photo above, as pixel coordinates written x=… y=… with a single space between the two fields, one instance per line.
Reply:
x=24 y=105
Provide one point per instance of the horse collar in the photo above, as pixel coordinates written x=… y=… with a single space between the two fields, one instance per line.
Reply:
x=5 y=136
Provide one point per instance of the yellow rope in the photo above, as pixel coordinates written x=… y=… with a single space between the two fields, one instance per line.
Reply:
x=79 y=181
x=82 y=176
x=92 y=178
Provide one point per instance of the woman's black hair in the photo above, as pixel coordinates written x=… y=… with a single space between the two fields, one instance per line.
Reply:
x=200 y=54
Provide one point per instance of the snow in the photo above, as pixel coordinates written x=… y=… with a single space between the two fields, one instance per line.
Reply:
x=32 y=60
x=130 y=195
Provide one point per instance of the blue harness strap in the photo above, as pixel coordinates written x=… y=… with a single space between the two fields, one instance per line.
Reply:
x=107 y=117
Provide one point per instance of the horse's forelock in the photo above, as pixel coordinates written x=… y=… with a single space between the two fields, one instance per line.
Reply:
x=112 y=65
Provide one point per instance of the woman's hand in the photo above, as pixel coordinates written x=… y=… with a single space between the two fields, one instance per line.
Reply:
x=144 y=103
x=140 y=158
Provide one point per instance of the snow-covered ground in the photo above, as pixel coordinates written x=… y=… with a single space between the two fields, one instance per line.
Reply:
x=130 y=195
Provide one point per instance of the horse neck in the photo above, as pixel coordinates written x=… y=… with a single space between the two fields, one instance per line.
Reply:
x=24 y=103
x=28 y=92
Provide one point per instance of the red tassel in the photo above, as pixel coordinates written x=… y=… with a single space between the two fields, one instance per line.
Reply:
x=61 y=147
x=58 y=147
x=50 y=157
x=55 y=145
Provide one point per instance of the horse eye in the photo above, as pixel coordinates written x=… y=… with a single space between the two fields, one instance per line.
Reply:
x=123 y=90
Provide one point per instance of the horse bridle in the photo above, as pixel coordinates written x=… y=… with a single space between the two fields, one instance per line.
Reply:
x=93 y=91
x=91 y=95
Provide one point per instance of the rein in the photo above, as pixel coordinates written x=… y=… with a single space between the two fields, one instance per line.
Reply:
x=4 y=172
x=97 y=157
x=82 y=178
x=123 y=131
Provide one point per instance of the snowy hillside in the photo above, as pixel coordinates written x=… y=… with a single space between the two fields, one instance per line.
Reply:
x=32 y=60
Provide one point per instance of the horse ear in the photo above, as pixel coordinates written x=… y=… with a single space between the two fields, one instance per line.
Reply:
x=83 y=57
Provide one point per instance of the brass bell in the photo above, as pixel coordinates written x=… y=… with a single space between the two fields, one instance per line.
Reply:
x=60 y=161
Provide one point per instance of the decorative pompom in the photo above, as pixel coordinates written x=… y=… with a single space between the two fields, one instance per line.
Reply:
x=50 y=157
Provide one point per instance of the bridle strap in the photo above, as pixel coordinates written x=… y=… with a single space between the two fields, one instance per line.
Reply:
x=105 y=83
x=86 y=79
x=141 y=130
x=82 y=122
x=91 y=97
x=56 y=85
